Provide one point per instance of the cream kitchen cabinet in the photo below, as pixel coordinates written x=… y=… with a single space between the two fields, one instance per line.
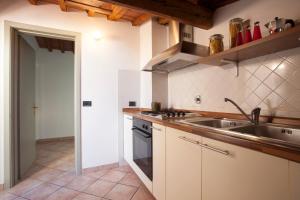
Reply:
x=183 y=165
x=243 y=174
x=159 y=161
x=128 y=139
x=294 y=177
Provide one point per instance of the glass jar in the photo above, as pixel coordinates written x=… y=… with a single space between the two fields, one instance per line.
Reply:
x=235 y=26
x=216 y=44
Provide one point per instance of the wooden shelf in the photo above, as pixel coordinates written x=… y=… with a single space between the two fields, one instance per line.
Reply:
x=270 y=44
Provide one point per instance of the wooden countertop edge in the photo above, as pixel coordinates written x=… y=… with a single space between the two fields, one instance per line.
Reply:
x=286 y=152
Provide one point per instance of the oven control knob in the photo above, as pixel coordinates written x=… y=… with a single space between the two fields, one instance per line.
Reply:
x=146 y=127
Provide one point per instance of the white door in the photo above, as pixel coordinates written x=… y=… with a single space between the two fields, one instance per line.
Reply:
x=183 y=165
x=294 y=178
x=244 y=174
x=159 y=161
x=27 y=138
x=128 y=154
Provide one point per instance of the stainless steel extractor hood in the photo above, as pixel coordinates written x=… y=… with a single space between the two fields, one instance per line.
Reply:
x=179 y=56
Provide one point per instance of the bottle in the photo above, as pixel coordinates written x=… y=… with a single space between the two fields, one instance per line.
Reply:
x=256 y=31
x=239 y=40
x=248 y=37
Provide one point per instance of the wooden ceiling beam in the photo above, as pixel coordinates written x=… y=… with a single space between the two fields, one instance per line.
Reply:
x=141 y=19
x=62 y=5
x=33 y=2
x=81 y=6
x=117 y=13
x=163 y=21
x=182 y=11
x=91 y=13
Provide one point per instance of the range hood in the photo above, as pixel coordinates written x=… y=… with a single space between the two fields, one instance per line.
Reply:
x=179 y=56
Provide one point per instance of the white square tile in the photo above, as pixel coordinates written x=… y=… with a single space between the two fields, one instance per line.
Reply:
x=253 y=83
x=253 y=100
x=262 y=72
x=285 y=90
x=285 y=69
x=272 y=61
x=294 y=100
x=294 y=79
x=262 y=91
x=273 y=81
x=273 y=101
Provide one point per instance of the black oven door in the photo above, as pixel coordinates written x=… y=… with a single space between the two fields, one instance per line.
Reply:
x=142 y=151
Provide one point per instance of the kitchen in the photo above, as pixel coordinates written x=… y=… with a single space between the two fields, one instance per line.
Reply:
x=182 y=118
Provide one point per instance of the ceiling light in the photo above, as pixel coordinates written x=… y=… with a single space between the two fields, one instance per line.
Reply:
x=97 y=35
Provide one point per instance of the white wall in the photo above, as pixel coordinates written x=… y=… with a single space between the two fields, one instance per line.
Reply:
x=54 y=94
x=270 y=82
x=100 y=62
x=128 y=90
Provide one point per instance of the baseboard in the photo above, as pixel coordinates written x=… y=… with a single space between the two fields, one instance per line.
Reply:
x=107 y=166
x=1 y=187
x=55 y=139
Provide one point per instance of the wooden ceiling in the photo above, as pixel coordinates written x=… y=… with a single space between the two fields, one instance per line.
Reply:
x=198 y=13
x=52 y=43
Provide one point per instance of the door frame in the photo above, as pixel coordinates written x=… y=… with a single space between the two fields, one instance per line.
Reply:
x=9 y=133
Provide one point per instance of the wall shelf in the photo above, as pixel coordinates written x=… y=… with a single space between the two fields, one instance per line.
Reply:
x=270 y=44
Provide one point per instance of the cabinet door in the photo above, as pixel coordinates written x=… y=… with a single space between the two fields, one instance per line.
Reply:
x=243 y=174
x=294 y=174
x=128 y=139
x=183 y=165
x=159 y=161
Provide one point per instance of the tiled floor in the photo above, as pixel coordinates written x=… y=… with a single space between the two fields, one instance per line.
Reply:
x=52 y=178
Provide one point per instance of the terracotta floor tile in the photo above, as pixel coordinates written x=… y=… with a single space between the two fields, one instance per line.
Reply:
x=7 y=196
x=109 y=166
x=100 y=188
x=121 y=192
x=124 y=168
x=97 y=174
x=83 y=196
x=47 y=174
x=143 y=194
x=41 y=192
x=80 y=183
x=64 y=179
x=63 y=194
x=24 y=186
x=131 y=179
x=113 y=176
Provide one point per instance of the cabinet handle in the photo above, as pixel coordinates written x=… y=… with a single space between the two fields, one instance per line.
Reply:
x=224 y=152
x=190 y=140
x=129 y=118
x=152 y=127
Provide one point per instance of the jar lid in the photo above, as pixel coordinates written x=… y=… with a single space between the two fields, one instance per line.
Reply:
x=236 y=20
x=216 y=36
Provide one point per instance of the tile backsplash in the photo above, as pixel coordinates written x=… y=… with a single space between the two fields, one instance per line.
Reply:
x=271 y=82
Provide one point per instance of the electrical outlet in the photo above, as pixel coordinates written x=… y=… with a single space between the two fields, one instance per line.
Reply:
x=197 y=99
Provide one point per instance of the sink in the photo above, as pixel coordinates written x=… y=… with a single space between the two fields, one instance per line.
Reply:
x=218 y=123
x=290 y=135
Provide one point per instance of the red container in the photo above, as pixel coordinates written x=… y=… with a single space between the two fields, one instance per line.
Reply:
x=239 y=39
x=256 y=31
x=248 y=36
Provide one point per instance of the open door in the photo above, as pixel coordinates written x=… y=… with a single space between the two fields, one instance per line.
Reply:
x=23 y=116
x=27 y=106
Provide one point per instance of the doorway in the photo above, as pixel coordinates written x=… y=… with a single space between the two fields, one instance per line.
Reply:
x=43 y=130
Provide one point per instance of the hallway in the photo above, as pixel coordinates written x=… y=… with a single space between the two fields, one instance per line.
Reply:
x=53 y=178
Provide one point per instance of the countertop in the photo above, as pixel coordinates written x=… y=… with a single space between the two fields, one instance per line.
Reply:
x=289 y=152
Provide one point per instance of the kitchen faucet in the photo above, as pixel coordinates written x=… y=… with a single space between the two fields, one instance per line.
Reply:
x=254 y=113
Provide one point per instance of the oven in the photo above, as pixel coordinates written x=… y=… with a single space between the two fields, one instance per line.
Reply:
x=142 y=145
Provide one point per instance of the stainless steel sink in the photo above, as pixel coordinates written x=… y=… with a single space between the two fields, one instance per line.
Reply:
x=287 y=134
x=217 y=123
